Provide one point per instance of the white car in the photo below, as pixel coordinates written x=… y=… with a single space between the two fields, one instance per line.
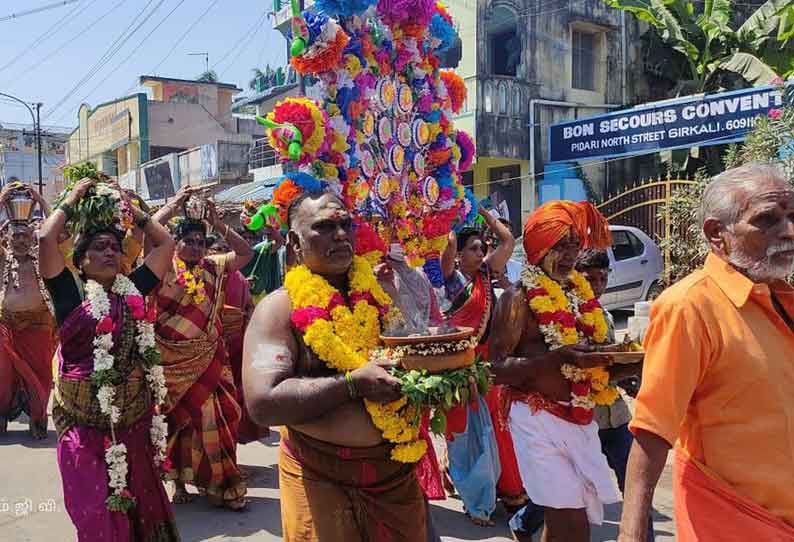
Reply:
x=636 y=268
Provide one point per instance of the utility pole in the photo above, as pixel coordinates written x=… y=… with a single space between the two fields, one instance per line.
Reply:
x=206 y=60
x=36 y=127
x=38 y=144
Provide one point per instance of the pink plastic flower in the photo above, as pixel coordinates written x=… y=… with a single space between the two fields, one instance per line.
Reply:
x=167 y=466
x=775 y=114
x=137 y=306
x=107 y=443
x=105 y=325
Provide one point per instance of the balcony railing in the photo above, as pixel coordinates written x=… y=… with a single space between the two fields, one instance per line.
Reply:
x=261 y=155
x=503 y=96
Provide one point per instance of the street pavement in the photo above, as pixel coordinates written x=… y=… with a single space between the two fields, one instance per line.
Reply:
x=32 y=509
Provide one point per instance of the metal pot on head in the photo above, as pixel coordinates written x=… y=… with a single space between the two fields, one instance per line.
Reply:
x=196 y=207
x=20 y=206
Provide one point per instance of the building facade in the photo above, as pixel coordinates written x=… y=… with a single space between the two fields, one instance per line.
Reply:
x=173 y=118
x=19 y=158
x=535 y=64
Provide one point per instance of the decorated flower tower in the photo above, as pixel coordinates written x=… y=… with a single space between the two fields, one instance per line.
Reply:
x=376 y=128
x=376 y=125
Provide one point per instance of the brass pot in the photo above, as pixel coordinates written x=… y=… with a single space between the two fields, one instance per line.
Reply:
x=20 y=206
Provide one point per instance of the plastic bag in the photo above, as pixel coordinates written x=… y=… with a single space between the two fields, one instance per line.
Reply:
x=474 y=462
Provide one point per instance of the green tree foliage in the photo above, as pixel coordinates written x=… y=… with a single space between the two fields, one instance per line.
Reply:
x=772 y=139
x=695 y=45
x=208 y=77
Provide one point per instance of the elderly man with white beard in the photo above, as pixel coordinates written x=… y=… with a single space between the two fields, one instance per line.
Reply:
x=718 y=378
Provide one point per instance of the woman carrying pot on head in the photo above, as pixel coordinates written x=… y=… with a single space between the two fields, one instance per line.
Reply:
x=111 y=442
x=202 y=408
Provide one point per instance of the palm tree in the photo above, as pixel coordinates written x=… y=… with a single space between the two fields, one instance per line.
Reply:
x=696 y=48
x=208 y=77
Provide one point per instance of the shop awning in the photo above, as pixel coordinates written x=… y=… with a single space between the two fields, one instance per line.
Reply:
x=256 y=191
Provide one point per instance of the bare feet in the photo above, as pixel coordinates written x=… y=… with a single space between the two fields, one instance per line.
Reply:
x=181 y=496
x=236 y=505
x=38 y=429
x=481 y=522
x=514 y=503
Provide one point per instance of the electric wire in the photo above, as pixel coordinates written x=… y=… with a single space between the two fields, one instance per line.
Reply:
x=63 y=45
x=127 y=58
x=44 y=36
x=117 y=44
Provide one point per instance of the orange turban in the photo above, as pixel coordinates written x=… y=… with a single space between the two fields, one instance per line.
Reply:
x=552 y=221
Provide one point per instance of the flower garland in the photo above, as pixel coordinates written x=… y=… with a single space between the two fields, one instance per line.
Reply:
x=11 y=274
x=106 y=377
x=343 y=339
x=565 y=318
x=191 y=281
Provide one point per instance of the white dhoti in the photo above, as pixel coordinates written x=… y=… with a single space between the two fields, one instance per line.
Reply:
x=561 y=463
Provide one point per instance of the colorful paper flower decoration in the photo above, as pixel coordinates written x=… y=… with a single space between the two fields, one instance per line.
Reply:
x=343 y=8
x=381 y=133
x=406 y=11
x=308 y=118
x=442 y=30
x=324 y=49
x=466 y=146
x=456 y=89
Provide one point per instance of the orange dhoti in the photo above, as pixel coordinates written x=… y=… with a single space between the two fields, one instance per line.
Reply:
x=709 y=510
x=27 y=344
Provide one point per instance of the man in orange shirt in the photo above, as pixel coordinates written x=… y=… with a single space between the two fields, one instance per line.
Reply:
x=719 y=374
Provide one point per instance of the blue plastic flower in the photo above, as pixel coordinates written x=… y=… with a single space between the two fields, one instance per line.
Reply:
x=343 y=8
x=441 y=30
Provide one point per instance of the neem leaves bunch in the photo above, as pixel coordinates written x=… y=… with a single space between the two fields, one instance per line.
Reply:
x=442 y=391
x=102 y=207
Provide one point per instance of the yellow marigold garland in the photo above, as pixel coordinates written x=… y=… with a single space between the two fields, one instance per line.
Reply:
x=558 y=314
x=191 y=281
x=345 y=338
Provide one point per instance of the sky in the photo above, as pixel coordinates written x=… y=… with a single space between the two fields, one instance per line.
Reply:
x=60 y=56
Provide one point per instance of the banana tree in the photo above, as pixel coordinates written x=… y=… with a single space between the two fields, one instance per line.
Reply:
x=703 y=44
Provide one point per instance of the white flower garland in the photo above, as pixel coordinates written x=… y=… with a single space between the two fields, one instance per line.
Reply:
x=11 y=274
x=99 y=308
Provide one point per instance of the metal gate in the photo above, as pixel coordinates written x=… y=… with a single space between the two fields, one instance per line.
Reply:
x=642 y=206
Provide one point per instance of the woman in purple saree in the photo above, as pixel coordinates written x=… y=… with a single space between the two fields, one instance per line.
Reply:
x=84 y=431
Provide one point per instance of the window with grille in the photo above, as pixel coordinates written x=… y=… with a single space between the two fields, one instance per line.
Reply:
x=583 y=50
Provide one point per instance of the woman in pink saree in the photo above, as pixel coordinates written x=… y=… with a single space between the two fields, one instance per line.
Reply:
x=84 y=430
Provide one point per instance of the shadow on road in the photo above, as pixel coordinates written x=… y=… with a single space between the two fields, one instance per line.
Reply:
x=260 y=476
x=200 y=521
x=23 y=438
